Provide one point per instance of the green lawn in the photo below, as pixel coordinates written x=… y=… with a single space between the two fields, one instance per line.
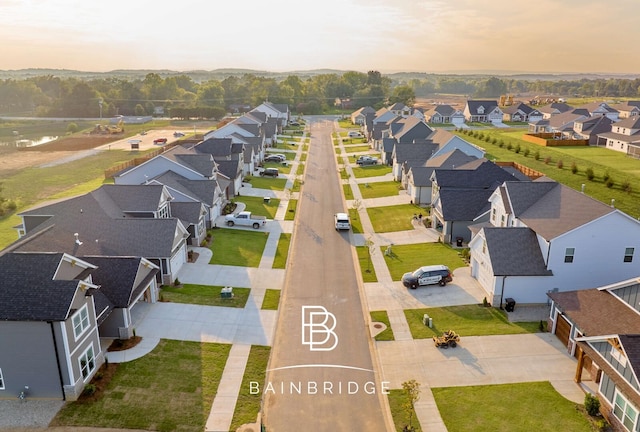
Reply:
x=269 y=183
x=382 y=317
x=257 y=205
x=619 y=167
x=371 y=171
x=292 y=206
x=348 y=192
x=393 y=218
x=282 y=251
x=356 y=223
x=237 y=247
x=284 y=169
x=466 y=320
x=271 y=299
x=397 y=403
x=248 y=405
x=300 y=170
x=533 y=406
x=344 y=174
x=379 y=189
x=356 y=148
x=366 y=266
x=169 y=389
x=407 y=258
x=207 y=295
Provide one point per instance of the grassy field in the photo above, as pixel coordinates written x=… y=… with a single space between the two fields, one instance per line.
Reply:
x=248 y=405
x=407 y=258
x=271 y=300
x=397 y=403
x=379 y=189
x=169 y=389
x=348 y=192
x=356 y=148
x=282 y=251
x=258 y=206
x=622 y=170
x=356 y=223
x=534 y=406
x=268 y=183
x=237 y=247
x=207 y=295
x=382 y=317
x=300 y=170
x=393 y=218
x=292 y=206
x=366 y=266
x=466 y=320
x=371 y=171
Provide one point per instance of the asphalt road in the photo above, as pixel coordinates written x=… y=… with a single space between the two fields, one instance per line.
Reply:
x=330 y=385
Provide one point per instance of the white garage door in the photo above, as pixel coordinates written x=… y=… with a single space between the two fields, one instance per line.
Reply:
x=178 y=260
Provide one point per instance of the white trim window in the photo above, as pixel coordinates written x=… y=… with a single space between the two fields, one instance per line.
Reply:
x=87 y=363
x=80 y=321
x=163 y=212
x=1 y=380
x=625 y=412
x=628 y=254
x=568 y=254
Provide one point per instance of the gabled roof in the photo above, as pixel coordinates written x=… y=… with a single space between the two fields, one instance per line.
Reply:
x=552 y=209
x=412 y=128
x=477 y=174
x=230 y=168
x=118 y=199
x=488 y=105
x=452 y=159
x=201 y=163
x=388 y=144
x=598 y=107
x=443 y=110
x=566 y=118
x=459 y=204
x=201 y=190
x=117 y=277
x=398 y=106
x=28 y=291
x=215 y=147
x=629 y=123
x=363 y=111
x=514 y=251
x=189 y=212
x=522 y=107
x=406 y=152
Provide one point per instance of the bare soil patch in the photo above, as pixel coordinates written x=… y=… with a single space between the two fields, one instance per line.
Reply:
x=124 y=344
x=18 y=160
x=74 y=143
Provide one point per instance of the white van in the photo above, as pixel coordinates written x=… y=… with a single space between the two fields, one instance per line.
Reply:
x=342 y=221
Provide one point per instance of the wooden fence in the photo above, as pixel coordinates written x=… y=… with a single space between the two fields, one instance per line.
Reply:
x=529 y=172
x=552 y=139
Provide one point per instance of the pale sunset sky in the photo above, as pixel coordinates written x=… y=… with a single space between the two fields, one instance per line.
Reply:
x=286 y=35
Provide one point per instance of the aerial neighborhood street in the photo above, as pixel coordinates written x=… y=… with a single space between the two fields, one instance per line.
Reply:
x=217 y=270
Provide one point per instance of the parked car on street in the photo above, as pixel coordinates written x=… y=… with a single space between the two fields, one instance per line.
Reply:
x=427 y=275
x=342 y=221
x=270 y=172
x=367 y=160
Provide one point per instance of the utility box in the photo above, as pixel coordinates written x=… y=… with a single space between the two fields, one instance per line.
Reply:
x=510 y=304
x=226 y=292
x=427 y=320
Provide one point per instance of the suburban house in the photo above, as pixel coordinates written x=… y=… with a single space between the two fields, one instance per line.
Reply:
x=485 y=111
x=232 y=170
x=460 y=197
x=51 y=341
x=280 y=112
x=553 y=109
x=400 y=109
x=626 y=109
x=418 y=113
x=624 y=136
x=543 y=237
x=409 y=130
x=406 y=155
x=359 y=116
x=601 y=328
x=113 y=220
x=601 y=109
x=418 y=179
x=589 y=128
x=447 y=142
x=222 y=149
x=444 y=114
x=520 y=112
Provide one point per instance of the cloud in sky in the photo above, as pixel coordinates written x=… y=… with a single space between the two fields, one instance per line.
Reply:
x=284 y=35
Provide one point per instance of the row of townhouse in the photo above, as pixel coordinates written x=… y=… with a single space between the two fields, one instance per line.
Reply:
x=80 y=266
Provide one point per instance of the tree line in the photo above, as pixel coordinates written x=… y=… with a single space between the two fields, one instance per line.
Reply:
x=182 y=96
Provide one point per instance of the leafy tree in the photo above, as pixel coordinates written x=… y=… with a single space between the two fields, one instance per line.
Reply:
x=411 y=390
x=210 y=93
x=403 y=94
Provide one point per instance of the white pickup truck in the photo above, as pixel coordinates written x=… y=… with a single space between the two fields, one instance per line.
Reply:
x=245 y=218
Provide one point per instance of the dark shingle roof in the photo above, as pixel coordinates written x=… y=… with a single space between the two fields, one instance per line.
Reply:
x=130 y=198
x=229 y=168
x=188 y=212
x=202 y=190
x=216 y=147
x=117 y=278
x=411 y=129
x=459 y=204
x=488 y=105
x=480 y=174
x=28 y=291
x=515 y=252
x=407 y=152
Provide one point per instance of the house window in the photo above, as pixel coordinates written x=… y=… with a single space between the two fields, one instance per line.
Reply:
x=568 y=255
x=628 y=254
x=484 y=246
x=616 y=353
x=87 y=363
x=502 y=222
x=163 y=213
x=80 y=321
x=625 y=412
x=1 y=381
x=493 y=215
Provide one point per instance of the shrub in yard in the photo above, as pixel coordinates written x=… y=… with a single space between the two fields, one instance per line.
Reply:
x=480 y=135
x=590 y=175
x=609 y=183
x=536 y=155
x=89 y=389
x=591 y=404
x=574 y=167
x=626 y=186
x=606 y=176
x=509 y=146
x=487 y=138
x=517 y=148
x=547 y=160
x=176 y=282
x=501 y=143
x=526 y=152
x=560 y=164
x=494 y=140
